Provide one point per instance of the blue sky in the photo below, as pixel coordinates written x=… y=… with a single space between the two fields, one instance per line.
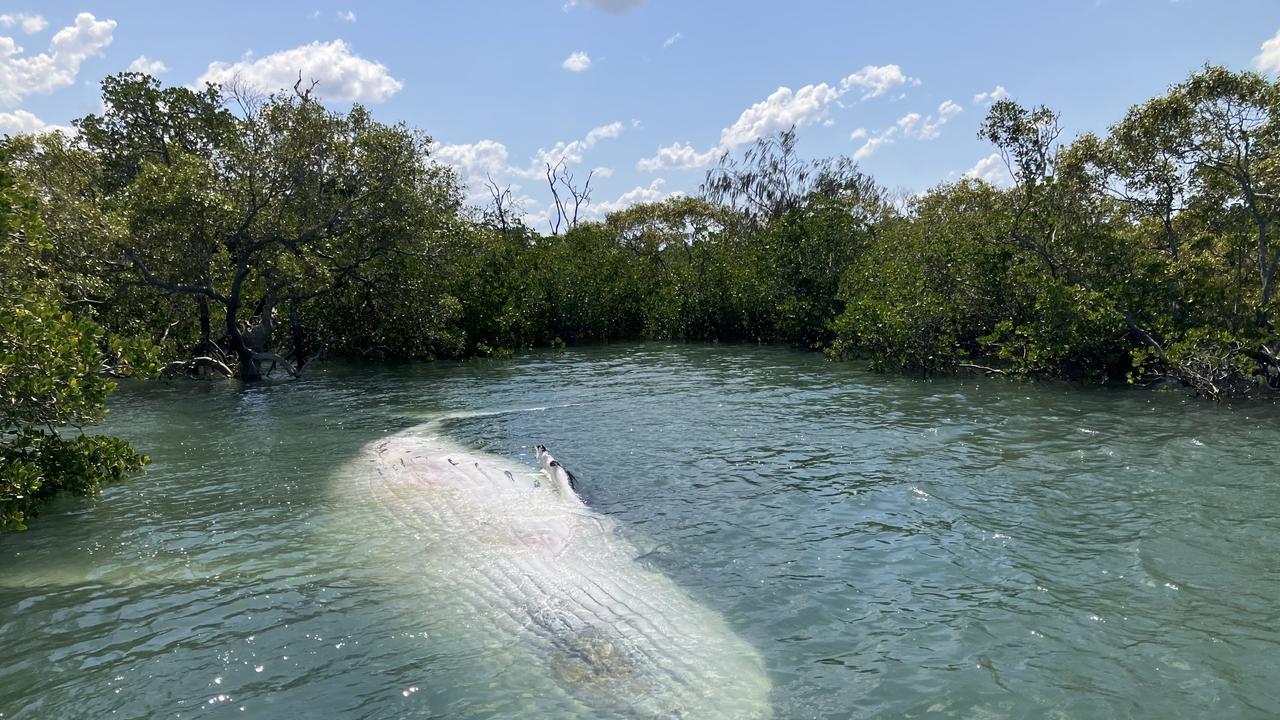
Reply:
x=648 y=91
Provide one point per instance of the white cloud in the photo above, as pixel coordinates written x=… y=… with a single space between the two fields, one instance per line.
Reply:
x=341 y=74
x=347 y=15
x=21 y=121
x=932 y=125
x=617 y=7
x=570 y=152
x=653 y=192
x=478 y=161
x=876 y=80
x=982 y=98
x=913 y=125
x=474 y=161
x=678 y=156
x=1268 y=60
x=779 y=111
x=908 y=124
x=992 y=169
x=604 y=132
x=539 y=219
x=782 y=110
x=151 y=67
x=577 y=62
x=30 y=24
x=874 y=142
x=48 y=71
x=673 y=40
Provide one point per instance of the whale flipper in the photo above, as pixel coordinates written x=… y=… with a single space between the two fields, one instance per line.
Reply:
x=565 y=481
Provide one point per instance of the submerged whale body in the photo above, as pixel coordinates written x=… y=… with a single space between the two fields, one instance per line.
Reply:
x=545 y=588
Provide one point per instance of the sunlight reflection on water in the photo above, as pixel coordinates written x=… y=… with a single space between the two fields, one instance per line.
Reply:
x=893 y=548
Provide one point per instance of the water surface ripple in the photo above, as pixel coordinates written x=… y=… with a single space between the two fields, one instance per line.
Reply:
x=893 y=548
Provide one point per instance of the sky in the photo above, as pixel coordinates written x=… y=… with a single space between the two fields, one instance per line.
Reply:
x=649 y=93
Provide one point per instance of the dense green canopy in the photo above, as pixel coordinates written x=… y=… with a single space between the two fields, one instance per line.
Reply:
x=51 y=375
x=221 y=233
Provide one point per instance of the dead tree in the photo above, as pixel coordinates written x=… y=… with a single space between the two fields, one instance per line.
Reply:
x=505 y=209
x=569 y=198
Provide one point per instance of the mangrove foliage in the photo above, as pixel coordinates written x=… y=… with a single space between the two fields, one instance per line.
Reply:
x=222 y=233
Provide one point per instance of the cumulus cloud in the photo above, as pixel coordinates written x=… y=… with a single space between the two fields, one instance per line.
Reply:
x=982 y=98
x=21 y=121
x=56 y=68
x=1268 y=60
x=779 y=111
x=653 y=192
x=143 y=64
x=576 y=62
x=617 y=7
x=991 y=168
x=678 y=156
x=341 y=74
x=931 y=127
x=873 y=143
x=877 y=80
x=673 y=40
x=571 y=152
x=913 y=125
x=347 y=15
x=909 y=124
x=605 y=132
x=475 y=161
x=478 y=161
x=29 y=23
x=783 y=109
x=481 y=161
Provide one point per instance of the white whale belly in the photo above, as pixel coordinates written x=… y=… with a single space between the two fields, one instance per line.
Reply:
x=549 y=592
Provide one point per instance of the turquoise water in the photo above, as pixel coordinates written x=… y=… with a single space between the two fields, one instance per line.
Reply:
x=892 y=548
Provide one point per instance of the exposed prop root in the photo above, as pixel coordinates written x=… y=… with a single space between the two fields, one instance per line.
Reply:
x=274 y=359
x=197 y=368
x=988 y=370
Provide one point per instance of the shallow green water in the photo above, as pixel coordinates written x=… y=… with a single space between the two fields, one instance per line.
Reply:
x=892 y=548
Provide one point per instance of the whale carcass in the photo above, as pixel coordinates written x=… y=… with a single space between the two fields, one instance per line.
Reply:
x=549 y=593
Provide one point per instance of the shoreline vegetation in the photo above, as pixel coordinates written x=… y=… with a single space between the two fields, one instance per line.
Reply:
x=226 y=233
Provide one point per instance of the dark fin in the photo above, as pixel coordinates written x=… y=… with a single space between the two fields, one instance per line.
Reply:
x=451 y=462
x=510 y=477
x=573 y=480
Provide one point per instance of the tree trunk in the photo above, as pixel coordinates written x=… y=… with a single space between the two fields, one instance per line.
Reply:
x=248 y=363
x=1266 y=271
x=299 y=336
x=205 y=329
